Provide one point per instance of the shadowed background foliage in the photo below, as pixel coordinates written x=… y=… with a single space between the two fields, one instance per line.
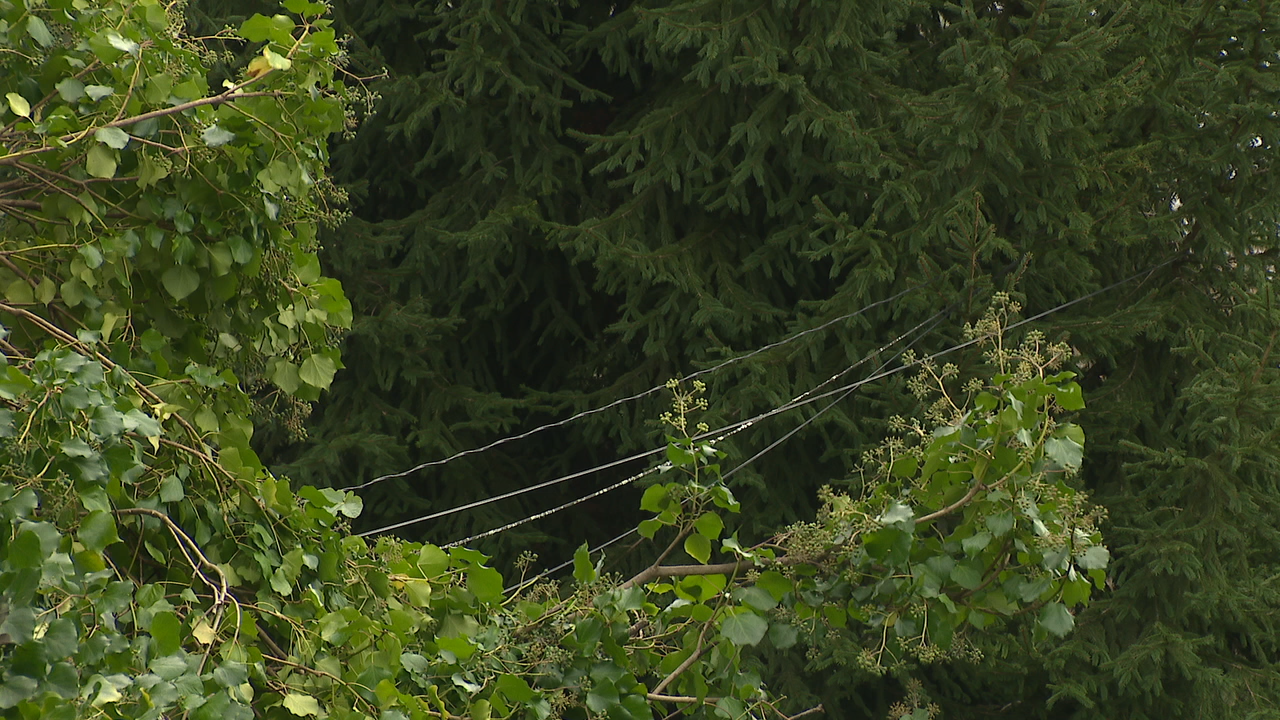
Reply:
x=558 y=204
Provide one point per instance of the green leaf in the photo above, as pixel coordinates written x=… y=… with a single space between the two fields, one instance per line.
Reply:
x=101 y=162
x=18 y=104
x=301 y=704
x=113 y=137
x=15 y=689
x=486 y=584
x=776 y=583
x=318 y=371
x=98 y=530
x=1064 y=451
x=214 y=136
x=583 y=570
x=745 y=628
x=166 y=631
x=655 y=498
x=39 y=31
x=1069 y=396
x=698 y=547
x=432 y=561
x=709 y=525
x=180 y=281
x=70 y=89
x=897 y=513
x=97 y=92
x=1095 y=558
x=1057 y=619
x=20 y=292
x=515 y=688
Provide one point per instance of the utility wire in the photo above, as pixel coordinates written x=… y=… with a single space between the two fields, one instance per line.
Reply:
x=631 y=398
x=731 y=429
x=847 y=390
x=524 y=583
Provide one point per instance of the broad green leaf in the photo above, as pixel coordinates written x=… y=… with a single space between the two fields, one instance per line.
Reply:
x=180 y=281
x=166 y=631
x=515 y=688
x=98 y=530
x=113 y=137
x=15 y=689
x=655 y=498
x=214 y=136
x=897 y=513
x=1064 y=451
x=301 y=704
x=709 y=525
x=432 y=561
x=318 y=371
x=745 y=628
x=18 y=104
x=97 y=92
x=775 y=583
x=1057 y=619
x=486 y=584
x=101 y=162
x=583 y=571
x=20 y=292
x=39 y=31
x=1095 y=558
x=70 y=89
x=698 y=547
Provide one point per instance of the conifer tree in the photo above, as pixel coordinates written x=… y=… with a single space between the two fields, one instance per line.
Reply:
x=557 y=206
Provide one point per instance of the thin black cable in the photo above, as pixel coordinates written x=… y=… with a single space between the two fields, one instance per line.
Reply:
x=631 y=398
x=638 y=456
x=657 y=468
x=846 y=391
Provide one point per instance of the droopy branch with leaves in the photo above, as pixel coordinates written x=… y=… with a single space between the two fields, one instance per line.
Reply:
x=161 y=286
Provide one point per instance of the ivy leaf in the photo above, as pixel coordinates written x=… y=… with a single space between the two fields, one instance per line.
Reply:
x=486 y=584
x=1095 y=558
x=101 y=162
x=1064 y=451
x=317 y=371
x=745 y=628
x=180 y=281
x=583 y=571
x=113 y=137
x=1057 y=619
x=301 y=704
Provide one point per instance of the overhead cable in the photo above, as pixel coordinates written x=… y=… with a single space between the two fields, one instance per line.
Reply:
x=845 y=390
x=638 y=456
x=632 y=398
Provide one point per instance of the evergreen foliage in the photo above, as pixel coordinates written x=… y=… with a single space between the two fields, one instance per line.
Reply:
x=558 y=205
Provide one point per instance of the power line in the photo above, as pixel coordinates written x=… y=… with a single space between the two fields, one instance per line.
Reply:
x=632 y=398
x=666 y=466
x=846 y=390
x=638 y=456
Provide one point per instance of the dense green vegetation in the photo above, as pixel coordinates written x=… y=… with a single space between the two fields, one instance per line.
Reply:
x=160 y=282
x=556 y=206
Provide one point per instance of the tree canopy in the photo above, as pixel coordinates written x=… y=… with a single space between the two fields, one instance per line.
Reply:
x=557 y=206
x=161 y=286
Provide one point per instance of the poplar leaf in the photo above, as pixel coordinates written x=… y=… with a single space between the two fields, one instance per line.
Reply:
x=301 y=705
x=113 y=137
x=18 y=104
x=101 y=162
